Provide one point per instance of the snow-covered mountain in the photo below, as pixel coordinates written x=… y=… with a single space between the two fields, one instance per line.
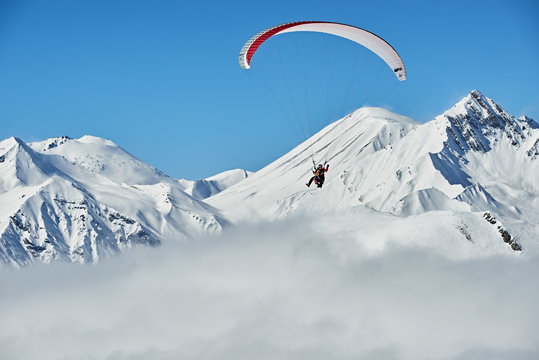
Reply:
x=475 y=162
x=469 y=176
x=202 y=189
x=80 y=199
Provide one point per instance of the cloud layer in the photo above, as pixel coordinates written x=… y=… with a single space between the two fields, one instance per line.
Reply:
x=278 y=290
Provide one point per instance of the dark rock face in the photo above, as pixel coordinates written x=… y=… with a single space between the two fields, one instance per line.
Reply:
x=474 y=126
x=533 y=152
x=507 y=238
x=57 y=141
x=70 y=229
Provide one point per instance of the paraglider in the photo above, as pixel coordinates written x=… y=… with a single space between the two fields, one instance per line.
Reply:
x=363 y=37
x=319 y=175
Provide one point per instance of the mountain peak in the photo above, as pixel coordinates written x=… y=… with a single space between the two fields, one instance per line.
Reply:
x=50 y=143
x=21 y=165
x=527 y=120
x=9 y=143
x=90 y=139
x=99 y=156
x=476 y=94
x=478 y=104
x=379 y=113
x=476 y=119
x=202 y=189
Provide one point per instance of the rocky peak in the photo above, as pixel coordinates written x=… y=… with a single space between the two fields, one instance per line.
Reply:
x=524 y=120
x=476 y=121
x=53 y=143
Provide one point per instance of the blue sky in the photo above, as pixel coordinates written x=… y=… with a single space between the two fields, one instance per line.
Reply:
x=161 y=78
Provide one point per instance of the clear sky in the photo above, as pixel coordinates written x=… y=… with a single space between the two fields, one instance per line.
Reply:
x=162 y=80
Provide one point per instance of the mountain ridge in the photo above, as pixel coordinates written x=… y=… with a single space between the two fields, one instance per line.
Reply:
x=467 y=155
x=81 y=199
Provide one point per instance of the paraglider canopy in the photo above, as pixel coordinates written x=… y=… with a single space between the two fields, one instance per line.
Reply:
x=363 y=37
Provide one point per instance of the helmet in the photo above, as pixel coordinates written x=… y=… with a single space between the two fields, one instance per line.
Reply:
x=320 y=166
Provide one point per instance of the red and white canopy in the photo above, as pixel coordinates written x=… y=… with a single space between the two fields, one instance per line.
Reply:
x=363 y=37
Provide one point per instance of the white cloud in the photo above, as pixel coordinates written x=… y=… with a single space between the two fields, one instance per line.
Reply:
x=273 y=291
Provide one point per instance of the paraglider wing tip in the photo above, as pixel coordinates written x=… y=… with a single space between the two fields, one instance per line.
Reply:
x=243 y=62
x=401 y=74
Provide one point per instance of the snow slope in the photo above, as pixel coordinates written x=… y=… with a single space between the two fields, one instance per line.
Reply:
x=202 y=189
x=102 y=157
x=472 y=159
x=79 y=199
